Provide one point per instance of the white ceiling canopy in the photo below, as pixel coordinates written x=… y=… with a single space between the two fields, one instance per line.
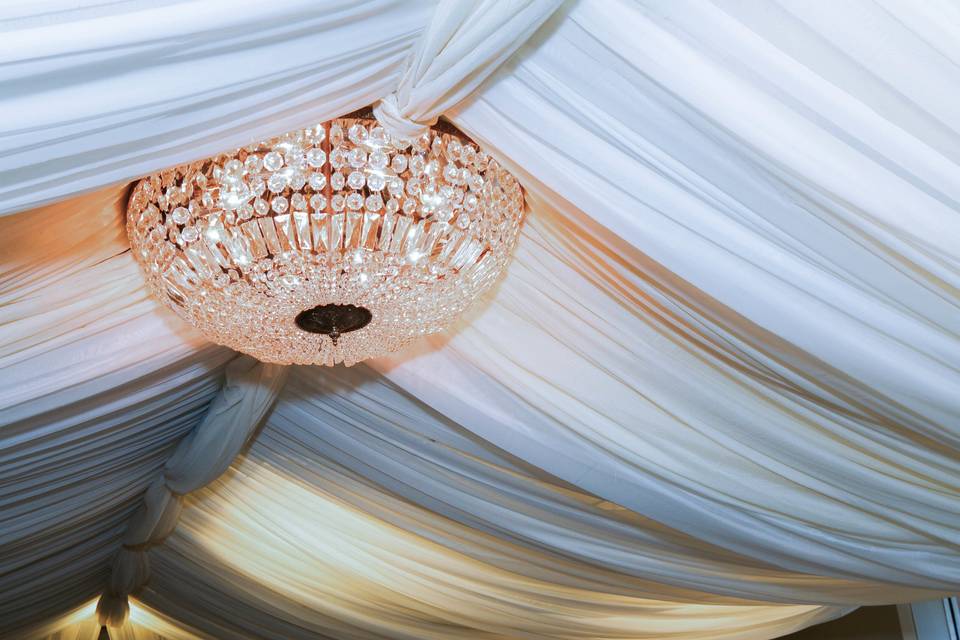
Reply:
x=717 y=394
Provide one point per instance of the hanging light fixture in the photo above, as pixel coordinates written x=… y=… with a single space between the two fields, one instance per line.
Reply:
x=330 y=244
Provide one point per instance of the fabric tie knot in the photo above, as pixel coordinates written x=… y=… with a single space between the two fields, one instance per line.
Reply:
x=113 y=610
x=388 y=114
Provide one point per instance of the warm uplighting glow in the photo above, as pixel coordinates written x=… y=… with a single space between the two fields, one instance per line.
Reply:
x=359 y=569
x=86 y=612
x=381 y=239
x=143 y=622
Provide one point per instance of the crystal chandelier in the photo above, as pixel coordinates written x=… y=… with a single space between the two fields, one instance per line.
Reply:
x=331 y=244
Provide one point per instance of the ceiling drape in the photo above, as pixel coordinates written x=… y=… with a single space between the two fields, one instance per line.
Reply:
x=382 y=567
x=96 y=93
x=717 y=394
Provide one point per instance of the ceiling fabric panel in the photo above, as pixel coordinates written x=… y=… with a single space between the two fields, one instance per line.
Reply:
x=374 y=565
x=129 y=73
x=73 y=307
x=717 y=394
x=647 y=406
x=98 y=387
x=384 y=435
x=814 y=260
x=71 y=478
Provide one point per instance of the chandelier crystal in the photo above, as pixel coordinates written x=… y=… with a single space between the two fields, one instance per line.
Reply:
x=335 y=243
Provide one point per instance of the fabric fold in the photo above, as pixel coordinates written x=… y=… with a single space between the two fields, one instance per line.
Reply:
x=155 y=85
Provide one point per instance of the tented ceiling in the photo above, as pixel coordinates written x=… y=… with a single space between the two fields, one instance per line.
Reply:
x=717 y=394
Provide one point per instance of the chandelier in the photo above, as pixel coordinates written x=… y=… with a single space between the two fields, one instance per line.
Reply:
x=330 y=244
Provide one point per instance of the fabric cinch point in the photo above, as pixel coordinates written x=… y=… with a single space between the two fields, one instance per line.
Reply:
x=387 y=112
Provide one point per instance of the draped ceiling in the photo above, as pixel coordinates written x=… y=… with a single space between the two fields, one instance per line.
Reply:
x=717 y=394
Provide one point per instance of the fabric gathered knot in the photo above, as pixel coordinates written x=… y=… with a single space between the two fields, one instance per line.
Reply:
x=201 y=457
x=130 y=572
x=388 y=113
x=131 y=566
x=112 y=609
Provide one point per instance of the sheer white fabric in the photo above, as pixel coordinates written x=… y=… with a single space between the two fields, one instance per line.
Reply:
x=717 y=395
x=74 y=310
x=97 y=93
x=435 y=578
x=695 y=439
x=822 y=302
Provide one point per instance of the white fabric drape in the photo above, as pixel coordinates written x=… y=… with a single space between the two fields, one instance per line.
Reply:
x=823 y=256
x=845 y=326
x=71 y=479
x=674 y=440
x=434 y=579
x=98 y=385
x=716 y=396
x=464 y=43
x=368 y=427
x=248 y=392
x=93 y=94
x=73 y=308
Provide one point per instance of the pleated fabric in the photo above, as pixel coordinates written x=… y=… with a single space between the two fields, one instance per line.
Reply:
x=374 y=564
x=717 y=394
x=97 y=93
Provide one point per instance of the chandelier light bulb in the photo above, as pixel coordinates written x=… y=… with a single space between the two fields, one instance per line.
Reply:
x=335 y=243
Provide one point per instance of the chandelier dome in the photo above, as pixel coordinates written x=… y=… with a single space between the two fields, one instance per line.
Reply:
x=334 y=243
